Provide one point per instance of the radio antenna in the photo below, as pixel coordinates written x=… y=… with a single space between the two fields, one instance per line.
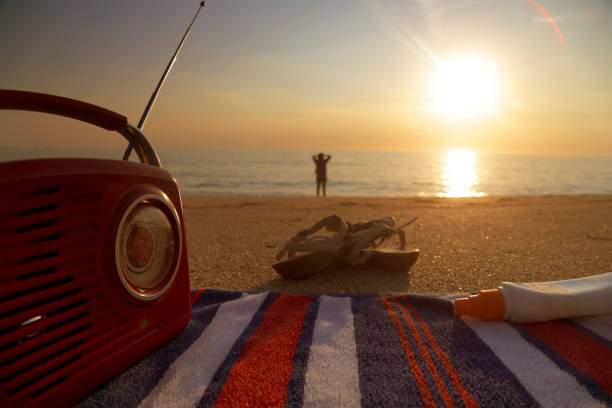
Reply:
x=143 y=118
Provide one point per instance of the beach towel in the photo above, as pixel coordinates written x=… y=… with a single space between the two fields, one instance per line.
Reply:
x=350 y=350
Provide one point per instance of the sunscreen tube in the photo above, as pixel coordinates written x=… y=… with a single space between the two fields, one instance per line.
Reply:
x=540 y=301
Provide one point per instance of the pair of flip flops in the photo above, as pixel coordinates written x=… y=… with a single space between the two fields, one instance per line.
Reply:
x=351 y=244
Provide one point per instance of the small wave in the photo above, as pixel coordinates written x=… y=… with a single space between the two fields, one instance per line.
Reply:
x=208 y=185
x=428 y=184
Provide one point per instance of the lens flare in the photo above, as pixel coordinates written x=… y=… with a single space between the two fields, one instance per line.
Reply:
x=551 y=21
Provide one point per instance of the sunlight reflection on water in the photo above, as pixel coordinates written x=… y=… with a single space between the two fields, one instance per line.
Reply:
x=460 y=175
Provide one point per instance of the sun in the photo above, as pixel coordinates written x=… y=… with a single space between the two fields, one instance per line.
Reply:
x=464 y=87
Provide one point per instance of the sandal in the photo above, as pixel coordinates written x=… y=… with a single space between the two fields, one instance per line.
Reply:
x=362 y=239
x=352 y=244
x=320 y=252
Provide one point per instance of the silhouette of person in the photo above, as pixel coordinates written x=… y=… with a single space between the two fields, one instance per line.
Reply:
x=321 y=170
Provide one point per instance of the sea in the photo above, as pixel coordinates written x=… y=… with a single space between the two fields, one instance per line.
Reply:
x=453 y=173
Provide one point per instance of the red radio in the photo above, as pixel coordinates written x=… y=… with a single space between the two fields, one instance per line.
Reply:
x=93 y=264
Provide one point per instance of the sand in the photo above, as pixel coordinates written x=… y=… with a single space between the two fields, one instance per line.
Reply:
x=466 y=244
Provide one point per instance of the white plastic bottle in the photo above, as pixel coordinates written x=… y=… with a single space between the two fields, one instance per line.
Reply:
x=541 y=301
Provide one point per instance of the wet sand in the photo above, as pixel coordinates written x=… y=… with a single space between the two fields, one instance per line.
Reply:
x=466 y=243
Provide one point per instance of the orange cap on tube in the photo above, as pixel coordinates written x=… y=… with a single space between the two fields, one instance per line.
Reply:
x=486 y=304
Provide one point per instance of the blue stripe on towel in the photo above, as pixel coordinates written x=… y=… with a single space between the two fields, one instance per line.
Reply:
x=295 y=388
x=212 y=297
x=214 y=389
x=385 y=378
x=128 y=389
x=487 y=379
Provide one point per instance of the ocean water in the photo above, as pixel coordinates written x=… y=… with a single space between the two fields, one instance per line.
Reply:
x=456 y=173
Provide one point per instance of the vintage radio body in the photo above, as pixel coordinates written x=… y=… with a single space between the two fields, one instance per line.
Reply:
x=93 y=264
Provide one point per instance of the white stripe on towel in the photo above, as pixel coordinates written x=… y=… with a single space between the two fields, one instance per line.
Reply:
x=332 y=378
x=601 y=325
x=187 y=378
x=544 y=380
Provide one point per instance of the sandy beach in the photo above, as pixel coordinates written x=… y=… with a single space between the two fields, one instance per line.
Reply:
x=466 y=243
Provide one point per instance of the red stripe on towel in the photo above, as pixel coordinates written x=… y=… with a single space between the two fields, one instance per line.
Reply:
x=578 y=348
x=414 y=366
x=261 y=375
x=431 y=367
x=467 y=398
x=196 y=295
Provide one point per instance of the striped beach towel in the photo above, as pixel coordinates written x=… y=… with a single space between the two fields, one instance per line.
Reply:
x=278 y=349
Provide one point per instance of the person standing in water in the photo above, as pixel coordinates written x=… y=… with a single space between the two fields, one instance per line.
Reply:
x=321 y=170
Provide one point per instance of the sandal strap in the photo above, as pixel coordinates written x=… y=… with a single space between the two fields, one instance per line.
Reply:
x=302 y=242
x=364 y=235
x=363 y=239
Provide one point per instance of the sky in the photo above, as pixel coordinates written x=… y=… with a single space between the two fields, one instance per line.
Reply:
x=519 y=76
